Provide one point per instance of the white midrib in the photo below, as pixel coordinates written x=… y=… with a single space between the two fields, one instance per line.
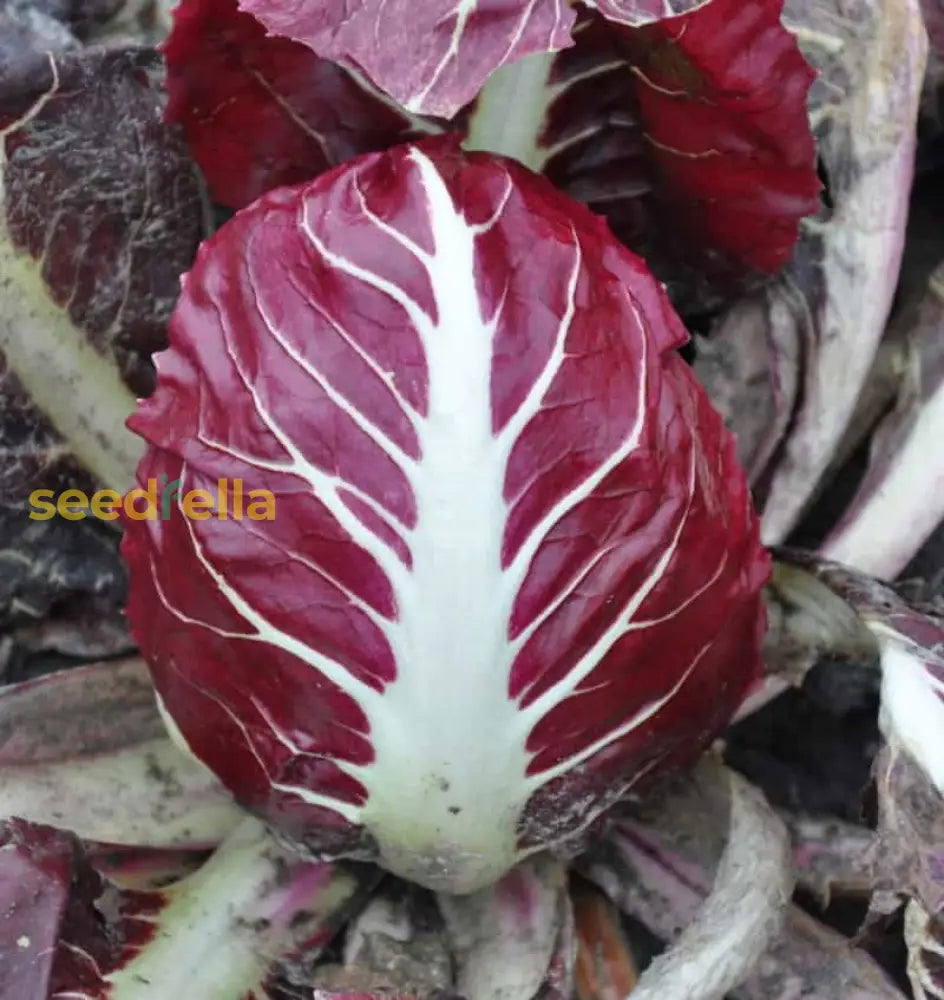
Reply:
x=463 y=799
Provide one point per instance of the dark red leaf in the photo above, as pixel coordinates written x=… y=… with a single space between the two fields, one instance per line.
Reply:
x=431 y=56
x=261 y=111
x=507 y=526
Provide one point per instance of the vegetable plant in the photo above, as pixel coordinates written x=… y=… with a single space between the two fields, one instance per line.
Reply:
x=420 y=280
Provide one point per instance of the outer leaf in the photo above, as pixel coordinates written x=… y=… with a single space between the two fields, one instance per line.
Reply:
x=933 y=11
x=637 y=12
x=100 y=211
x=433 y=56
x=908 y=862
x=97 y=21
x=924 y=936
x=750 y=366
x=86 y=750
x=262 y=111
x=901 y=499
x=505 y=936
x=396 y=945
x=807 y=622
x=36 y=876
x=218 y=935
x=62 y=583
x=746 y=896
x=604 y=965
x=908 y=856
x=661 y=865
x=864 y=107
x=690 y=135
x=506 y=523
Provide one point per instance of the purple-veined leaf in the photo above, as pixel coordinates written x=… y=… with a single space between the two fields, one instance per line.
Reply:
x=433 y=56
x=702 y=162
x=736 y=898
x=661 y=864
x=901 y=500
x=100 y=212
x=635 y=13
x=842 y=281
x=37 y=874
x=86 y=750
x=504 y=518
x=227 y=932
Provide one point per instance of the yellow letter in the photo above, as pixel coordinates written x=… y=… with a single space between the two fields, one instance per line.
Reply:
x=197 y=505
x=266 y=500
x=105 y=504
x=43 y=507
x=71 y=504
x=150 y=495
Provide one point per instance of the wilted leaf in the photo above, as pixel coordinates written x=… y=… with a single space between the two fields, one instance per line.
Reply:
x=396 y=945
x=900 y=501
x=807 y=621
x=504 y=937
x=226 y=932
x=86 y=750
x=924 y=935
x=839 y=287
x=908 y=859
x=661 y=864
x=750 y=367
x=100 y=213
x=704 y=864
x=604 y=969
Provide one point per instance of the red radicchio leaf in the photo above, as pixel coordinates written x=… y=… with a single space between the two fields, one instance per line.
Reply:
x=722 y=99
x=262 y=111
x=637 y=12
x=689 y=134
x=431 y=56
x=512 y=567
